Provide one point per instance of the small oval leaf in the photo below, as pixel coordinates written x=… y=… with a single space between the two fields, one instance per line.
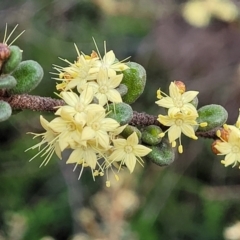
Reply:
x=121 y=112
x=7 y=82
x=28 y=75
x=5 y=111
x=215 y=116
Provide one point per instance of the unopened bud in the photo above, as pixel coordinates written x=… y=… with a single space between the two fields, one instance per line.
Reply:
x=223 y=133
x=181 y=86
x=214 y=150
x=4 y=53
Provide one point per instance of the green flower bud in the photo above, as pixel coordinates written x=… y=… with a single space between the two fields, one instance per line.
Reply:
x=5 y=111
x=121 y=112
x=214 y=115
x=128 y=130
x=7 y=81
x=135 y=79
x=28 y=75
x=13 y=61
x=150 y=135
x=161 y=154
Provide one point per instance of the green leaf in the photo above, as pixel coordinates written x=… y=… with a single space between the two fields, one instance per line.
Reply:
x=135 y=80
x=5 y=111
x=150 y=135
x=161 y=154
x=121 y=112
x=28 y=75
x=7 y=81
x=215 y=116
x=13 y=61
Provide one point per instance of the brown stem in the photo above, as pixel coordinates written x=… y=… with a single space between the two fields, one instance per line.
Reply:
x=47 y=104
x=34 y=103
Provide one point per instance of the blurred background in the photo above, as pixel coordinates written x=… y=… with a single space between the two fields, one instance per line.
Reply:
x=194 y=198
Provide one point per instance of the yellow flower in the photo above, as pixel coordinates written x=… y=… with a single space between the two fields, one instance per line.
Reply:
x=76 y=105
x=230 y=148
x=104 y=88
x=128 y=151
x=99 y=126
x=179 y=123
x=87 y=156
x=68 y=130
x=76 y=74
x=50 y=139
x=110 y=63
x=178 y=102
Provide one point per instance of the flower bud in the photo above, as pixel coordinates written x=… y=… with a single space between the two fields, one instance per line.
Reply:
x=13 y=61
x=4 y=53
x=214 y=150
x=181 y=86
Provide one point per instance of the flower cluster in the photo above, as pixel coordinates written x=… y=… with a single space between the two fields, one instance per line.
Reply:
x=99 y=74
x=82 y=124
x=181 y=115
x=228 y=144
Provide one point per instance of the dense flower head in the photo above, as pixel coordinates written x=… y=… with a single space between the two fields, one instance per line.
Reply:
x=102 y=74
x=82 y=125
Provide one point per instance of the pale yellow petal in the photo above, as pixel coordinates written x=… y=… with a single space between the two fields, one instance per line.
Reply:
x=188 y=130
x=70 y=98
x=174 y=91
x=130 y=161
x=189 y=96
x=44 y=122
x=119 y=143
x=230 y=159
x=223 y=148
x=132 y=140
x=91 y=158
x=109 y=124
x=87 y=133
x=166 y=102
x=117 y=155
x=140 y=150
x=75 y=156
x=166 y=120
x=109 y=58
x=115 y=81
x=102 y=138
x=174 y=133
x=114 y=96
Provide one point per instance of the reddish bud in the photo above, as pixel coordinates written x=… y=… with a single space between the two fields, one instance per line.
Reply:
x=181 y=86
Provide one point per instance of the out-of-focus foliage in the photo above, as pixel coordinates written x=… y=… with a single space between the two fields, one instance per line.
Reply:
x=194 y=198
